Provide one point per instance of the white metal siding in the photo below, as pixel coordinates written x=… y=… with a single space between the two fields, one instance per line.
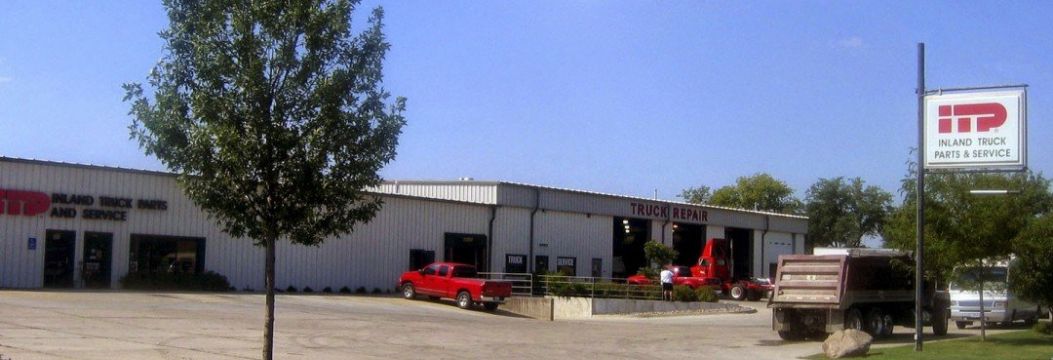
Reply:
x=467 y=191
x=575 y=235
x=777 y=243
x=511 y=235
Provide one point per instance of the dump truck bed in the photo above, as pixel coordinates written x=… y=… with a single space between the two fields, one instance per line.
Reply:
x=839 y=281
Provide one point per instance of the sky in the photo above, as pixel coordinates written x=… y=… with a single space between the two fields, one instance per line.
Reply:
x=626 y=97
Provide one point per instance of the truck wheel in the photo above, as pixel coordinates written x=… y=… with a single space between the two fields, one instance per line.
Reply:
x=464 y=300
x=408 y=291
x=962 y=324
x=853 y=319
x=791 y=335
x=939 y=323
x=738 y=292
x=889 y=325
x=490 y=306
x=875 y=323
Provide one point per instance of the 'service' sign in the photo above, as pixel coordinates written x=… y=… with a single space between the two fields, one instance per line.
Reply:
x=976 y=130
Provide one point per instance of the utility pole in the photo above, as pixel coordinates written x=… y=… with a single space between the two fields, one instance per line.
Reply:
x=919 y=253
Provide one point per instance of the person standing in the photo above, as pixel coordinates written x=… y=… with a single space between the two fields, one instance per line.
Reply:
x=667 y=284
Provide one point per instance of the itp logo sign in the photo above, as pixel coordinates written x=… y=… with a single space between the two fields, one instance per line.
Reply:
x=26 y=203
x=984 y=116
x=976 y=130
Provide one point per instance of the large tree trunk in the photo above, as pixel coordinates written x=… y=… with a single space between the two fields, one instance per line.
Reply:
x=268 y=322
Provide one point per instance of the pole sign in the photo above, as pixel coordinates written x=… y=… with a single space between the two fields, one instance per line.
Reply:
x=976 y=130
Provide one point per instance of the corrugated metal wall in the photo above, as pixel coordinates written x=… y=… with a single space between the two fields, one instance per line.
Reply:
x=575 y=235
x=511 y=235
x=372 y=256
x=466 y=191
x=777 y=243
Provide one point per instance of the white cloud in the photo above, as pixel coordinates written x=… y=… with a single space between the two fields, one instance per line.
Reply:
x=852 y=42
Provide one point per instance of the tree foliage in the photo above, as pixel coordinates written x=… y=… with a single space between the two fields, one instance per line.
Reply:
x=657 y=255
x=1032 y=274
x=961 y=228
x=273 y=115
x=757 y=192
x=840 y=213
x=696 y=195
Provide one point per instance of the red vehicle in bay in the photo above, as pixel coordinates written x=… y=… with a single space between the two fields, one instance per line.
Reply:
x=454 y=281
x=715 y=262
x=682 y=275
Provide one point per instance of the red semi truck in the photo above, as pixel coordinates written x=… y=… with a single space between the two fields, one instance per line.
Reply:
x=454 y=281
x=715 y=262
x=682 y=275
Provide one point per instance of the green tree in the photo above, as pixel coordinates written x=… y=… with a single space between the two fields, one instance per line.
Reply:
x=1032 y=274
x=657 y=254
x=841 y=213
x=757 y=192
x=696 y=195
x=962 y=228
x=274 y=117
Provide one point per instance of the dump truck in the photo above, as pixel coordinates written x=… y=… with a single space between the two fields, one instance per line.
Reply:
x=864 y=289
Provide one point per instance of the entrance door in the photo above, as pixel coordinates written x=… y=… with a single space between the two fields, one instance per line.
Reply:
x=59 y=251
x=98 y=255
x=467 y=249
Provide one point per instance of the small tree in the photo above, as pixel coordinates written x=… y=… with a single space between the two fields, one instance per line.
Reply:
x=273 y=115
x=657 y=255
x=1031 y=276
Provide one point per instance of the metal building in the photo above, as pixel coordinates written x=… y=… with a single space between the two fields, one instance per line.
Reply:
x=73 y=225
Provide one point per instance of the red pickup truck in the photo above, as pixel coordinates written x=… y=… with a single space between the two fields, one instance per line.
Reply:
x=454 y=281
x=682 y=275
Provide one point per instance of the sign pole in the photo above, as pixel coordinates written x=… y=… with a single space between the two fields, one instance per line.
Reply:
x=919 y=253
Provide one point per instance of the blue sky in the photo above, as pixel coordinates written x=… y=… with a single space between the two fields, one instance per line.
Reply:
x=612 y=96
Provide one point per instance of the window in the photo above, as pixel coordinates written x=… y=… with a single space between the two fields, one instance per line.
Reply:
x=419 y=258
x=597 y=267
x=443 y=270
x=515 y=263
x=174 y=254
x=430 y=270
x=465 y=272
x=567 y=265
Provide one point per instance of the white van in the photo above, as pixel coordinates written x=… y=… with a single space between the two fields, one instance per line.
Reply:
x=1000 y=304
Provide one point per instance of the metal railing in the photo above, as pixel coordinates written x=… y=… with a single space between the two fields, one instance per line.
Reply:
x=525 y=284
x=522 y=283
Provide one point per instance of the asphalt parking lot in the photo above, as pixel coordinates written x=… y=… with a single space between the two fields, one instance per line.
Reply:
x=131 y=325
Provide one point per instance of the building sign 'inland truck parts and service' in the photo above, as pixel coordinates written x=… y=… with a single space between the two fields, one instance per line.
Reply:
x=976 y=130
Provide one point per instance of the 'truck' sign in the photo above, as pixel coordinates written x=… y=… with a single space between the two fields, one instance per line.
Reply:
x=976 y=130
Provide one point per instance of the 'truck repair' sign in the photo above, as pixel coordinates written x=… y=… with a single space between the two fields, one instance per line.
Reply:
x=976 y=130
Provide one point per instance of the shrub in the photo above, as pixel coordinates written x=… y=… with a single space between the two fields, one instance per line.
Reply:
x=209 y=281
x=290 y=289
x=248 y=289
x=684 y=293
x=1043 y=327
x=308 y=289
x=327 y=290
x=360 y=290
x=706 y=294
x=345 y=290
x=377 y=290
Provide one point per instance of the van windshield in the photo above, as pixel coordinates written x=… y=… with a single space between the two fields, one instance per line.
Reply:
x=994 y=274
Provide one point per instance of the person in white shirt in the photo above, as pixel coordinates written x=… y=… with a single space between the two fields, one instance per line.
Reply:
x=667 y=284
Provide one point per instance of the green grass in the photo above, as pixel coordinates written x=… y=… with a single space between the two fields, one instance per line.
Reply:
x=1009 y=346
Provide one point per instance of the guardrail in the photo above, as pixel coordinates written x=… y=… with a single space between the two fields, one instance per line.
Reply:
x=522 y=283
x=525 y=284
